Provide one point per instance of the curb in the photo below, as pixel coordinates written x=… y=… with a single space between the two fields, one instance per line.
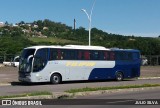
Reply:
x=64 y=95
x=149 y=78
x=5 y=84
x=112 y=91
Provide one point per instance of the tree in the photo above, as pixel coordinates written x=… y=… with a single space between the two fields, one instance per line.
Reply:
x=6 y=23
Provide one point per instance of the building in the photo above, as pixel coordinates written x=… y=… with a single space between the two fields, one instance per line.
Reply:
x=2 y=24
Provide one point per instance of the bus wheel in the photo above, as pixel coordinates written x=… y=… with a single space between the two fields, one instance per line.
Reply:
x=119 y=76
x=55 y=79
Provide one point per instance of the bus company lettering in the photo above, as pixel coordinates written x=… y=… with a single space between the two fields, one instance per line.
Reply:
x=75 y=64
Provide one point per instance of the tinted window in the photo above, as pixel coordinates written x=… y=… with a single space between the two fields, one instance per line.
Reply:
x=63 y=54
x=83 y=55
x=106 y=55
x=53 y=54
x=127 y=55
x=80 y=55
x=42 y=53
x=60 y=54
x=40 y=59
x=112 y=56
x=56 y=54
x=120 y=55
x=95 y=55
x=24 y=65
x=27 y=52
x=86 y=55
x=70 y=55
x=136 y=56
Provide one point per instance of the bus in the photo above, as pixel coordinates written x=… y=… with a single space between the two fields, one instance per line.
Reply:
x=76 y=62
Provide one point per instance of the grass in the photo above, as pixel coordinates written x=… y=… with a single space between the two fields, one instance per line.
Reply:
x=111 y=88
x=53 y=40
x=27 y=94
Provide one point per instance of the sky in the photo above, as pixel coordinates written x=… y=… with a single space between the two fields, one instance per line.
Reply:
x=125 y=17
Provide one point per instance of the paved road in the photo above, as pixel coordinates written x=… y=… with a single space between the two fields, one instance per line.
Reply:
x=143 y=94
x=10 y=74
x=137 y=95
x=17 y=88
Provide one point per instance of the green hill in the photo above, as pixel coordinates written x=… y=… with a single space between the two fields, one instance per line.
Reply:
x=14 y=38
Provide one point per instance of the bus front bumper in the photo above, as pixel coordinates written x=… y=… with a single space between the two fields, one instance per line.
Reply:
x=24 y=79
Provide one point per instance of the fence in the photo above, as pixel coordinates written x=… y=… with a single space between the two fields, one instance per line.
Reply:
x=6 y=57
x=151 y=60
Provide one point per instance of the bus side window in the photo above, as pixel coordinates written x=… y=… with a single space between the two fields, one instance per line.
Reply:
x=72 y=54
x=59 y=56
x=130 y=56
x=120 y=55
x=112 y=56
x=95 y=55
x=125 y=55
x=87 y=55
x=106 y=55
x=80 y=55
x=66 y=54
x=136 y=56
x=117 y=55
x=69 y=55
x=53 y=54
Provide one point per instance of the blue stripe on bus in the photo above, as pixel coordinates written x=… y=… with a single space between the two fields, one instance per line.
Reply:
x=130 y=70
x=101 y=73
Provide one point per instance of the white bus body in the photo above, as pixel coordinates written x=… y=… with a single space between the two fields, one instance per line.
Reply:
x=72 y=62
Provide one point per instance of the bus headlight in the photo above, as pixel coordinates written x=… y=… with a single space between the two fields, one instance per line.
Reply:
x=38 y=77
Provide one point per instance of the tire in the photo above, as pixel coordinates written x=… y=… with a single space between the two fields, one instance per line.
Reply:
x=55 y=79
x=119 y=76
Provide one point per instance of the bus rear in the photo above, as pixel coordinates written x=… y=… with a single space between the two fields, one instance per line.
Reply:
x=128 y=63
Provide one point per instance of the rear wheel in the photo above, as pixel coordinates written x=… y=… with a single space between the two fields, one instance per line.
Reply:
x=119 y=76
x=55 y=79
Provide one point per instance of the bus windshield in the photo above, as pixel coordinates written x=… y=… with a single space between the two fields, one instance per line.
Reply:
x=26 y=60
x=40 y=59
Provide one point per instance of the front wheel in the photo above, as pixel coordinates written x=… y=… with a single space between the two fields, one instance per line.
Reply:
x=119 y=76
x=55 y=79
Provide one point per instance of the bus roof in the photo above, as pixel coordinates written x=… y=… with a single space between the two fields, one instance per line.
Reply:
x=81 y=47
x=71 y=47
x=128 y=50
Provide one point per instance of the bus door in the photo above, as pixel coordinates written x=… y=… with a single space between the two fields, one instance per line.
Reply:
x=74 y=70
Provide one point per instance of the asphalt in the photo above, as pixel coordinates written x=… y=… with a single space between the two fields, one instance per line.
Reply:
x=134 y=94
x=18 y=88
x=9 y=84
x=115 y=100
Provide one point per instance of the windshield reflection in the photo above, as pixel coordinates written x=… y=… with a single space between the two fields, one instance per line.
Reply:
x=40 y=59
x=26 y=60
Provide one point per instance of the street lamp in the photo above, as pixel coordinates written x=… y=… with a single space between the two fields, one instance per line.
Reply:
x=90 y=19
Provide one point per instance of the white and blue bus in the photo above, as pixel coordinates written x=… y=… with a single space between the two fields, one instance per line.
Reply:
x=74 y=62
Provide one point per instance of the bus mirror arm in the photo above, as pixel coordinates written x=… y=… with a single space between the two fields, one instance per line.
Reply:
x=29 y=57
x=17 y=57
